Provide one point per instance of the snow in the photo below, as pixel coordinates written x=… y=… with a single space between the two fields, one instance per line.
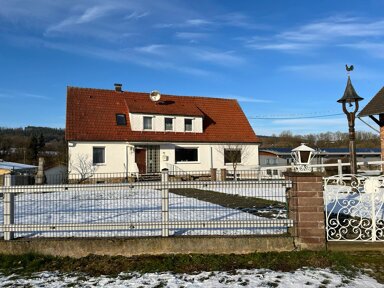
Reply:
x=239 y=278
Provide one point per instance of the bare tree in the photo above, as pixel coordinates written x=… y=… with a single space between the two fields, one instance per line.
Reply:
x=83 y=166
x=233 y=154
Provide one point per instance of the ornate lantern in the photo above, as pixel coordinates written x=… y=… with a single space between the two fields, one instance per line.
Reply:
x=302 y=157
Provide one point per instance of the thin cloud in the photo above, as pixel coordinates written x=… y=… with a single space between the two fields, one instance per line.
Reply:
x=136 y=15
x=22 y=95
x=219 y=58
x=322 y=33
x=191 y=35
x=197 y=22
x=373 y=48
x=155 y=49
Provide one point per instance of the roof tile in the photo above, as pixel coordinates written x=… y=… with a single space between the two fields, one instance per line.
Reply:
x=91 y=116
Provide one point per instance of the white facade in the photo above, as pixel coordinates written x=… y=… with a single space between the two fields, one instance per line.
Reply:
x=158 y=123
x=121 y=156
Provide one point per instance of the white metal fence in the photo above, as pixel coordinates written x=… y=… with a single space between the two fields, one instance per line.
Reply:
x=354 y=208
x=164 y=208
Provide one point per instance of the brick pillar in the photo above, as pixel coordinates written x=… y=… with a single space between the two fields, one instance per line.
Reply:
x=306 y=209
x=213 y=174
x=223 y=174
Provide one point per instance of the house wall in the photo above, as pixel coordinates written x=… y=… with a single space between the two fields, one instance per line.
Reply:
x=115 y=155
x=120 y=156
x=158 y=123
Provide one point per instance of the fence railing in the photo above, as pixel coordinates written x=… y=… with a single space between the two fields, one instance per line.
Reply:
x=354 y=206
x=166 y=208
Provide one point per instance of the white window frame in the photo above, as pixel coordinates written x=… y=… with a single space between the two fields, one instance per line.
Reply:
x=173 y=123
x=187 y=162
x=93 y=155
x=148 y=117
x=185 y=119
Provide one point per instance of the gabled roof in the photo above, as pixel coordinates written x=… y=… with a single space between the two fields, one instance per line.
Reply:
x=91 y=116
x=375 y=106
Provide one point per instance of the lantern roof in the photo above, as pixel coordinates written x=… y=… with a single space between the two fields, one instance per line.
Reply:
x=303 y=148
x=350 y=94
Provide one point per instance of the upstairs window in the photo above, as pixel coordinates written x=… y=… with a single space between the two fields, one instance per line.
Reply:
x=187 y=125
x=186 y=155
x=147 y=123
x=121 y=120
x=98 y=155
x=168 y=124
x=232 y=156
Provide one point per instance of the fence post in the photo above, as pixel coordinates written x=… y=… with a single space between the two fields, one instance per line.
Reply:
x=9 y=207
x=306 y=209
x=223 y=174
x=165 y=203
x=339 y=168
x=213 y=174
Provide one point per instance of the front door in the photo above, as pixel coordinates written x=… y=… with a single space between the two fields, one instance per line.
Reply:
x=140 y=159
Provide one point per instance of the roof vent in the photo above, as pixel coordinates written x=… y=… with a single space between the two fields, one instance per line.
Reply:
x=118 y=87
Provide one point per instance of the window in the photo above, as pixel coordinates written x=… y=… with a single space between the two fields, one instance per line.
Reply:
x=186 y=155
x=168 y=124
x=147 y=123
x=232 y=155
x=121 y=120
x=187 y=125
x=98 y=155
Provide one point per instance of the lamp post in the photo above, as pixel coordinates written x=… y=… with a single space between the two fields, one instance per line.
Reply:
x=351 y=98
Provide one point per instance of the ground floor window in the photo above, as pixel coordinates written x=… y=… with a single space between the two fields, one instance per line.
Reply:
x=232 y=156
x=186 y=154
x=98 y=155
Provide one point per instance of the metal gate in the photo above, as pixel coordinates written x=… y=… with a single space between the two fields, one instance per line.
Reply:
x=354 y=208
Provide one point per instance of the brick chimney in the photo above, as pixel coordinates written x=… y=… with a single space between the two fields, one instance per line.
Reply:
x=118 y=87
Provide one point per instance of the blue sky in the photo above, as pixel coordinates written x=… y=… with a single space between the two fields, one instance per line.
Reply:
x=280 y=59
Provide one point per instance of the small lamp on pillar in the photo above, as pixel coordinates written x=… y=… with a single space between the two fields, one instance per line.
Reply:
x=351 y=98
x=302 y=157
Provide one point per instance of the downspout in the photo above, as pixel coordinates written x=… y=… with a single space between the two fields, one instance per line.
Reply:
x=211 y=157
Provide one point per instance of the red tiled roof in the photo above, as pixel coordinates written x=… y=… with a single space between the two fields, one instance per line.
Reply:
x=91 y=116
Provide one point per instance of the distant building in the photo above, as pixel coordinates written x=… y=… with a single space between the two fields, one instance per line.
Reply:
x=282 y=156
x=23 y=172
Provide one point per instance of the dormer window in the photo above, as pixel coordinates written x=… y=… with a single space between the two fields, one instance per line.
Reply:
x=168 y=124
x=147 y=123
x=121 y=120
x=188 y=125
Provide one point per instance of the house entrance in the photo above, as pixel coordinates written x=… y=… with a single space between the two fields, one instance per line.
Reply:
x=140 y=159
x=147 y=158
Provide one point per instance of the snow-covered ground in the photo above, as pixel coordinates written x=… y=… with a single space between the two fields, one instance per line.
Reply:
x=239 y=278
x=122 y=205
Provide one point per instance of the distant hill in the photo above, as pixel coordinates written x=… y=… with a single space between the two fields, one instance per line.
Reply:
x=25 y=145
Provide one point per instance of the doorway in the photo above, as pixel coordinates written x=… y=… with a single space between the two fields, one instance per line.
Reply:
x=147 y=158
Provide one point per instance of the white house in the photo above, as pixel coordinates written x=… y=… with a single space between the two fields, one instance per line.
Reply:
x=119 y=131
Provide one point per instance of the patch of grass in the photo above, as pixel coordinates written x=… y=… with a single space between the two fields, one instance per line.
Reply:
x=346 y=263
x=244 y=203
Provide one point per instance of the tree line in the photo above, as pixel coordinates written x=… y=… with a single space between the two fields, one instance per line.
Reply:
x=26 y=145
x=286 y=139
